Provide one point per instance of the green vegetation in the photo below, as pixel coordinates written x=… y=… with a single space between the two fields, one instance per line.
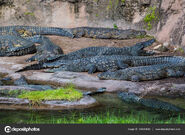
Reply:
x=151 y=17
x=113 y=3
x=179 y=49
x=123 y=1
x=115 y=26
x=15 y=93
x=109 y=5
x=69 y=94
x=29 y=13
x=109 y=118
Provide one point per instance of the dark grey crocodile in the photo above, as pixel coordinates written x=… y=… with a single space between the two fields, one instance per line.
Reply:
x=15 y=46
x=91 y=93
x=19 y=40
x=106 y=33
x=151 y=103
x=135 y=50
x=145 y=73
x=45 y=49
x=89 y=32
x=29 y=31
x=56 y=61
x=105 y=63
x=90 y=64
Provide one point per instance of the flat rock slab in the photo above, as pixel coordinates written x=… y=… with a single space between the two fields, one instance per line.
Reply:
x=24 y=104
x=25 y=87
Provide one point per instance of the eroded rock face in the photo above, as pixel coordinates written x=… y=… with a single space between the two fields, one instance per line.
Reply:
x=171 y=27
x=100 y=13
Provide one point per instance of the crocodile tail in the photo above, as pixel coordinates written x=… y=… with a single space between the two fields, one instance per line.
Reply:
x=67 y=32
x=32 y=67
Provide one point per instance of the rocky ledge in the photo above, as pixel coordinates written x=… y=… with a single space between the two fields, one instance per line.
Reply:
x=24 y=104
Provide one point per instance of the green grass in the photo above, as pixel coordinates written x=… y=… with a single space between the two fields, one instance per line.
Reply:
x=151 y=17
x=69 y=94
x=110 y=118
x=29 y=13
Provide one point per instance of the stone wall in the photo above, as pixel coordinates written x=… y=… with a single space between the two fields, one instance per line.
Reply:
x=168 y=27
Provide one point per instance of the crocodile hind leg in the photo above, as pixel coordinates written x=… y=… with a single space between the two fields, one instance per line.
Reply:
x=173 y=73
x=122 y=65
x=91 y=69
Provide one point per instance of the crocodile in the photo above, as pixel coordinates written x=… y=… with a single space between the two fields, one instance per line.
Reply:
x=19 y=40
x=106 y=33
x=45 y=49
x=146 y=73
x=89 y=64
x=135 y=50
x=118 y=61
x=29 y=31
x=15 y=46
x=92 y=93
x=89 y=32
x=153 y=103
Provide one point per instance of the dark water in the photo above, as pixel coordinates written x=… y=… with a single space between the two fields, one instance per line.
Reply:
x=108 y=103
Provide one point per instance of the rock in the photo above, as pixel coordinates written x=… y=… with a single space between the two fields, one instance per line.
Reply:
x=145 y=2
x=161 y=48
x=166 y=44
x=24 y=104
x=26 y=87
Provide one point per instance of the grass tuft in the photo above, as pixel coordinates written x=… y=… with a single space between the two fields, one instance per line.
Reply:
x=69 y=94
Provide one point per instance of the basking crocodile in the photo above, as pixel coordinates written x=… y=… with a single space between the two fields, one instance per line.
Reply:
x=135 y=50
x=92 y=93
x=29 y=31
x=15 y=46
x=89 y=32
x=118 y=61
x=106 y=33
x=19 y=40
x=151 y=103
x=45 y=49
x=145 y=73
x=89 y=64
